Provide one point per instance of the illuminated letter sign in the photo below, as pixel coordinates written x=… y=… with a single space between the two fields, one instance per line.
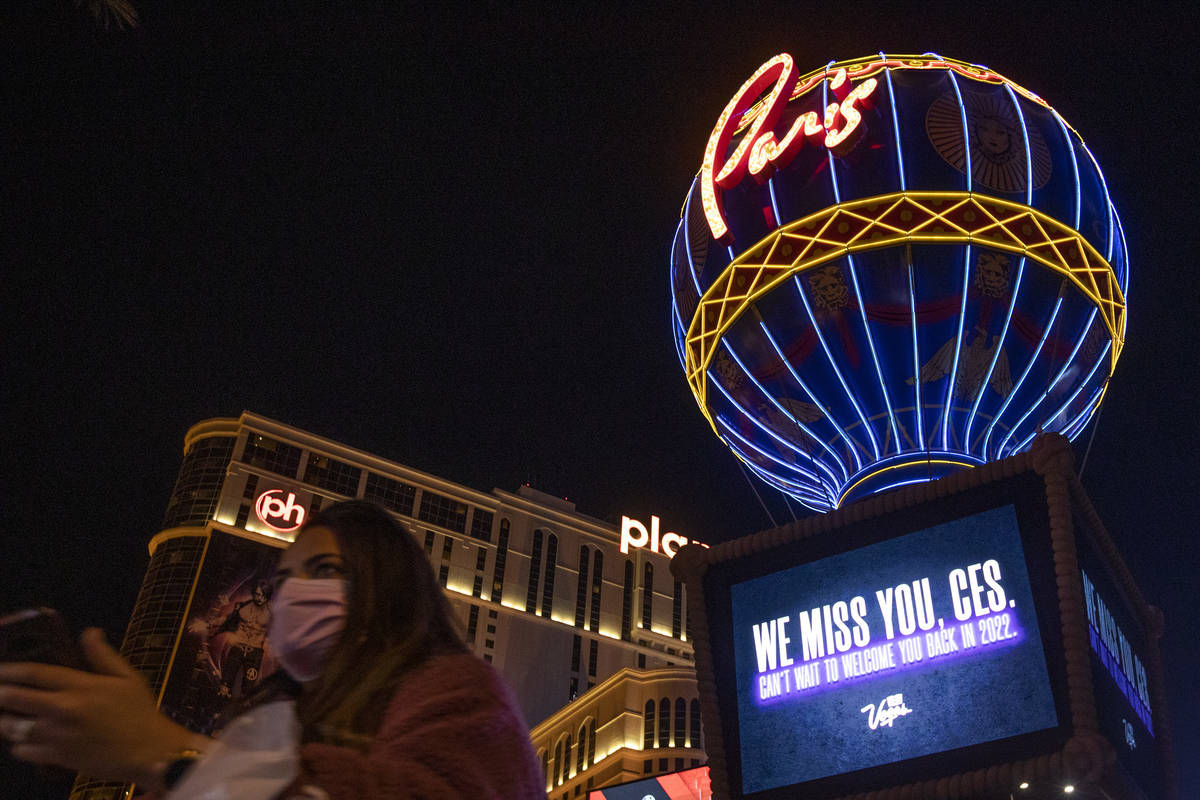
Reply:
x=634 y=534
x=277 y=513
x=760 y=150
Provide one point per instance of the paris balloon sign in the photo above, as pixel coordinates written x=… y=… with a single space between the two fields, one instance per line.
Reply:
x=892 y=268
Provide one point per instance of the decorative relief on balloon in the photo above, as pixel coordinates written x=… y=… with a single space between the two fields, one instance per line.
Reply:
x=996 y=141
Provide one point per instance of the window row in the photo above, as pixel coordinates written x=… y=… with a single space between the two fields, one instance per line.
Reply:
x=559 y=771
x=685 y=732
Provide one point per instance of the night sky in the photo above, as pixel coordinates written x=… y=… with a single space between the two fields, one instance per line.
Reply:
x=442 y=237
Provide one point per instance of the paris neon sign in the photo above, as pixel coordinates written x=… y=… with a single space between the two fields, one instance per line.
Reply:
x=761 y=151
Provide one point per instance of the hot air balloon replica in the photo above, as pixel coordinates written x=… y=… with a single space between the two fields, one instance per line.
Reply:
x=892 y=268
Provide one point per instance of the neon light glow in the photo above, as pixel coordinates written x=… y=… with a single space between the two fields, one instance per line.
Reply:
x=278 y=514
x=867 y=327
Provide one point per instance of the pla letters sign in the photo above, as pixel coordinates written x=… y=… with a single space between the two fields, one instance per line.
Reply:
x=911 y=646
x=279 y=513
x=634 y=534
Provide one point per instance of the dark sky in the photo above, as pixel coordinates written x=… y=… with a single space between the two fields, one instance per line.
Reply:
x=442 y=237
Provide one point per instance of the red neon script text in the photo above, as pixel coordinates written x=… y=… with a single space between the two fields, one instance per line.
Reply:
x=761 y=152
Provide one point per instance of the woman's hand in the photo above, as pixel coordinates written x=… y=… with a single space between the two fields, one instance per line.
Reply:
x=103 y=723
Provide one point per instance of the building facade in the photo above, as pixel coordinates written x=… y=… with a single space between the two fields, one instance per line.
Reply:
x=593 y=640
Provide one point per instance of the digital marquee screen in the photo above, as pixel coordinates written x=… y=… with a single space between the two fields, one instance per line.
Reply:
x=916 y=645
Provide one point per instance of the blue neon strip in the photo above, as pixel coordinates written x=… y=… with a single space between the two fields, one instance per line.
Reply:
x=1108 y=204
x=796 y=377
x=920 y=458
x=819 y=464
x=1025 y=135
x=962 y=111
x=1066 y=365
x=796 y=490
x=808 y=432
x=1124 y=258
x=779 y=482
x=962 y=313
x=1017 y=387
x=898 y=484
x=1061 y=409
x=887 y=73
x=837 y=195
x=1074 y=162
x=1084 y=417
x=1012 y=304
x=833 y=364
x=687 y=214
x=730 y=431
x=862 y=310
x=774 y=204
x=912 y=298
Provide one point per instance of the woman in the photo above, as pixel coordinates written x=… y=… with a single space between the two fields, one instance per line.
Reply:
x=388 y=701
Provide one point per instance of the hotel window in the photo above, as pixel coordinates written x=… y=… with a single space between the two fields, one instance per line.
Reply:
x=477 y=586
x=251 y=485
x=581 y=592
x=447 y=548
x=314 y=505
x=694 y=724
x=198 y=485
x=582 y=750
x=551 y=570
x=664 y=722
x=664 y=764
x=443 y=574
x=641 y=661
x=591 y=756
x=627 y=604
x=648 y=728
x=647 y=766
x=573 y=690
x=558 y=760
x=261 y=451
x=597 y=582
x=535 y=573
x=481 y=558
x=491 y=628
x=677 y=611
x=647 y=595
x=443 y=511
x=576 y=650
x=429 y=543
x=242 y=515
x=593 y=652
x=498 y=567
x=566 y=762
x=329 y=473
x=472 y=623
x=680 y=721
x=481 y=524
x=390 y=494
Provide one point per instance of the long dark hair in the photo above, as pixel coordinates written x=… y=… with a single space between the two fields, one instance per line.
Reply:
x=397 y=617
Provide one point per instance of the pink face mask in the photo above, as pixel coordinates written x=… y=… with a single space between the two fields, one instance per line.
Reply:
x=307 y=617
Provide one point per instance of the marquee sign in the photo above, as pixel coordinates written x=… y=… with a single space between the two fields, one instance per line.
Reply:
x=936 y=637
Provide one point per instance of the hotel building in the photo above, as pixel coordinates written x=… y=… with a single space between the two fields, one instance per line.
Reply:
x=593 y=640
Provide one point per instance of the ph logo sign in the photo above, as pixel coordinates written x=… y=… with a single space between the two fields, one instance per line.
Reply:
x=279 y=513
x=634 y=534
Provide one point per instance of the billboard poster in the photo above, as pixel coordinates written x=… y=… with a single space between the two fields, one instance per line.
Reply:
x=689 y=784
x=1118 y=647
x=920 y=644
x=223 y=654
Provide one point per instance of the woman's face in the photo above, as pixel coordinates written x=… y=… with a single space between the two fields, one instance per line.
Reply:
x=314 y=554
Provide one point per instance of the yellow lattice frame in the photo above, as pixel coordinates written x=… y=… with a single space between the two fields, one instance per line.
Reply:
x=885 y=221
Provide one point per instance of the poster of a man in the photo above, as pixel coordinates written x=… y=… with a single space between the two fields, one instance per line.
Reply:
x=236 y=650
x=223 y=655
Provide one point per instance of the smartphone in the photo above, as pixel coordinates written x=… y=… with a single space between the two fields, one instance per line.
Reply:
x=38 y=634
